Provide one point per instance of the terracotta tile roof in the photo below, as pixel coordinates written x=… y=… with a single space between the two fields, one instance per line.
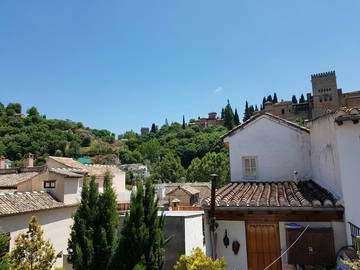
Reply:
x=22 y=202
x=273 y=194
x=13 y=179
x=66 y=172
x=203 y=187
x=91 y=169
x=260 y=114
x=188 y=189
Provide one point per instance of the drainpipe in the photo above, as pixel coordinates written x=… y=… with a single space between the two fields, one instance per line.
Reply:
x=213 y=237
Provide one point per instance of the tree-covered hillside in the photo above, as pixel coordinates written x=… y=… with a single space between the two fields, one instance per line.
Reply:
x=179 y=152
x=20 y=134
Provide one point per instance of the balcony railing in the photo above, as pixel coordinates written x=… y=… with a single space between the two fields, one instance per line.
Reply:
x=354 y=232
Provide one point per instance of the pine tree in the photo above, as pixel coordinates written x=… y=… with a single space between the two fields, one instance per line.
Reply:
x=294 y=99
x=228 y=116
x=141 y=240
x=302 y=98
x=275 y=99
x=153 y=128
x=31 y=251
x=105 y=237
x=236 y=118
x=183 y=122
x=81 y=246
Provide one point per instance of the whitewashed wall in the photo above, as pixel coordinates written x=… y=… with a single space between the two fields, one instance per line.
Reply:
x=55 y=223
x=193 y=234
x=348 y=140
x=324 y=154
x=280 y=149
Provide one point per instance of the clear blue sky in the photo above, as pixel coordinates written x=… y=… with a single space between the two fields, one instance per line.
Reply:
x=123 y=64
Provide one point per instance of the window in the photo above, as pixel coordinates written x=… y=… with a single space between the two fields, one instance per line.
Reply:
x=249 y=166
x=49 y=184
x=282 y=111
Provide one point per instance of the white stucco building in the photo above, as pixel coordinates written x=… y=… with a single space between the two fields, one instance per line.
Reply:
x=279 y=177
x=335 y=157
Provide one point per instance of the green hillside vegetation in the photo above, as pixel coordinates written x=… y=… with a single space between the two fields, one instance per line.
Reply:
x=178 y=152
x=43 y=137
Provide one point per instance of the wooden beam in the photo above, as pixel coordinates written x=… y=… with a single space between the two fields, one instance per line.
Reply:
x=282 y=215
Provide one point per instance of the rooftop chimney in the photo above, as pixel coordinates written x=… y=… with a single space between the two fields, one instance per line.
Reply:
x=2 y=162
x=29 y=160
x=296 y=179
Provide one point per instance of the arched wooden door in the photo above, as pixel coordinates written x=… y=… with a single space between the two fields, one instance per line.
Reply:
x=263 y=245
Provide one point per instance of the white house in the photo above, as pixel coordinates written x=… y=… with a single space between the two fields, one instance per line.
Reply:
x=51 y=193
x=258 y=147
x=271 y=187
x=335 y=157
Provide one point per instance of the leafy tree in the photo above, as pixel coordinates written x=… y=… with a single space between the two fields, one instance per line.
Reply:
x=128 y=157
x=31 y=251
x=236 y=118
x=294 y=99
x=169 y=169
x=105 y=237
x=199 y=261
x=142 y=242
x=13 y=108
x=4 y=248
x=275 y=99
x=32 y=111
x=151 y=150
x=212 y=163
x=302 y=99
x=228 y=116
x=81 y=246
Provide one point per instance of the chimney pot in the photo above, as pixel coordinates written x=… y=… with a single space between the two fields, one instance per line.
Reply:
x=2 y=162
x=29 y=160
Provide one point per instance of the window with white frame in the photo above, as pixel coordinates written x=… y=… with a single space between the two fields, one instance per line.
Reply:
x=50 y=184
x=249 y=166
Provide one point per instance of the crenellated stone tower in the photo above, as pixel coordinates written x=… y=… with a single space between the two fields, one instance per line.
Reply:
x=326 y=95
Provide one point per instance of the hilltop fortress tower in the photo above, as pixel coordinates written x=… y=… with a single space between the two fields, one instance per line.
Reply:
x=325 y=96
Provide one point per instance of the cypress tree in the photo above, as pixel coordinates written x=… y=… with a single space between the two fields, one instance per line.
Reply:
x=275 y=99
x=246 y=112
x=222 y=113
x=236 y=118
x=294 y=99
x=256 y=108
x=153 y=128
x=105 y=237
x=263 y=103
x=269 y=98
x=228 y=116
x=80 y=246
x=302 y=98
x=251 y=111
x=141 y=240
x=183 y=122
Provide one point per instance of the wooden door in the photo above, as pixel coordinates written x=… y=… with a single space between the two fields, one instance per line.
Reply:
x=263 y=245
